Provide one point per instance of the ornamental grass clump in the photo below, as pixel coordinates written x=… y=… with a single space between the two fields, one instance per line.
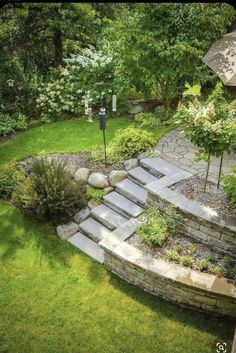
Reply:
x=48 y=192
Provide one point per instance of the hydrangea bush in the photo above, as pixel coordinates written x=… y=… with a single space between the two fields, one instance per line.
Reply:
x=70 y=86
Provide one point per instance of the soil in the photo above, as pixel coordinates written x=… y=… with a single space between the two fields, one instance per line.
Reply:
x=80 y=160
x=202 y=251
x=192 y=188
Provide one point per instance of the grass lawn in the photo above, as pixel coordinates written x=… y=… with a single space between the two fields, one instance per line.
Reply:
x=55 y=299
x=62 y=137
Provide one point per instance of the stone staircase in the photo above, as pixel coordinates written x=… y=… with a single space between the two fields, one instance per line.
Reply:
x=119 y=214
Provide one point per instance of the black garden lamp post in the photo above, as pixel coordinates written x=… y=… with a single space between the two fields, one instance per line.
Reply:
x=102 y=124
x=181 y=90
x=102 y=114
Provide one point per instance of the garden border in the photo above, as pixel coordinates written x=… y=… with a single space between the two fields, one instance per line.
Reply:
x=199 y=222
x=183 y=286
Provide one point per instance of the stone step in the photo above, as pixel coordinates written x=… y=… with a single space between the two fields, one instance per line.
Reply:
x=94 y=230
x=108 y=217
x=132 y=191
x=140 y=176
x=88 y=246
x=158 y=166
x=122 y=205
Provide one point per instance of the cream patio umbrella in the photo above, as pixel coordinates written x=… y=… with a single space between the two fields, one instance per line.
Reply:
x=221 y=58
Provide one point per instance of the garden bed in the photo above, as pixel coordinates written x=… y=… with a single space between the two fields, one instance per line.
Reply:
x=192 y=254
x=192 y=188
x=77 y=160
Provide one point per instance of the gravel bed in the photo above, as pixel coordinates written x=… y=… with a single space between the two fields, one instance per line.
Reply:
x=80 y=160
x=192 y=188
x=181 y=245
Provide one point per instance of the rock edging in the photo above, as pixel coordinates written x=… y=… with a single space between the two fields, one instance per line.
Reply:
x=177 y=284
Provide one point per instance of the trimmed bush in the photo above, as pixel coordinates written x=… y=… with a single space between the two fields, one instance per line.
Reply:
x=156 y=227
x=48 y=192
x=131 y=141
x=147 y=120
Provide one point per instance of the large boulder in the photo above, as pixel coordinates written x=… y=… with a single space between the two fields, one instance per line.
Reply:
x=64 y=231
x=131 y=163
x=82 y=174
x=98 y=180
x=82 y=215
x=117 y=175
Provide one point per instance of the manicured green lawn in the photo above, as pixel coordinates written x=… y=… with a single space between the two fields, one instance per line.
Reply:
x=66 y=136
x=55 y=299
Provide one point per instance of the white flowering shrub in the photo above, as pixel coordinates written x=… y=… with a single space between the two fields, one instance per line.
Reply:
x=210 y=129
x=72 y=85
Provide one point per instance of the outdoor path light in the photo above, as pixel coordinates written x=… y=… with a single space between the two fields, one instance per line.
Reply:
x=102 y=114
x=102 y=124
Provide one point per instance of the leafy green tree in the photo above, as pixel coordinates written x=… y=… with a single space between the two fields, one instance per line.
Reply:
x=159 y=46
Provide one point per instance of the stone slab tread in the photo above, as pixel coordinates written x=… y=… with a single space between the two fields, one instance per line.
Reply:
x=108 y=217
x=94 y=230
x=132 y=191
x=122 y=205
x=140 y=176
x=88 y=246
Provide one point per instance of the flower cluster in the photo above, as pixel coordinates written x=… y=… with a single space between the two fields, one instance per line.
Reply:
x=214 y=133
x=76 y=83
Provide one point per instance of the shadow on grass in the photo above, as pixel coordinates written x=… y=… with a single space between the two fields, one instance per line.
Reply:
x=220 y=327
x=18 y=231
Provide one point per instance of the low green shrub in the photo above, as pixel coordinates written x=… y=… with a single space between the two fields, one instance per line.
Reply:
x=154 y=231
x=7 y=124
x=96 y=155
x=230 y=186
x=186 y=261
x=127 y=143
x=212 y=258
x=227 y=261
x=21 y=122
x=7 y=180
x=131 y=141
x=229 y=273
x=173 y=255
x=147 y=120
x=95 y=194
x=48 y=192
x=203 y=265
x=10 y=124
x=192 y=248
x=156 y=227
x=217 y=271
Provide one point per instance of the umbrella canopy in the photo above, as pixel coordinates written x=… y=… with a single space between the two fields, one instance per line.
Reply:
x=221 y=58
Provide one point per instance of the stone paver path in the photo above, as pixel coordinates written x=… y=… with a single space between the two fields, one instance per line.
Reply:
x=174 y=147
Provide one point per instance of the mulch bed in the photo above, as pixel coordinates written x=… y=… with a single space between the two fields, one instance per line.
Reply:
x=80 y=160
x=192 y=188
x=202 y=251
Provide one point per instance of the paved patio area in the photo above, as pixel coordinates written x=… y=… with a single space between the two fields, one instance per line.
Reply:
x=176 y=148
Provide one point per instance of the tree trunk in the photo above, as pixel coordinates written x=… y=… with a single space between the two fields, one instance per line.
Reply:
x=58 y=54
x=207 y=172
